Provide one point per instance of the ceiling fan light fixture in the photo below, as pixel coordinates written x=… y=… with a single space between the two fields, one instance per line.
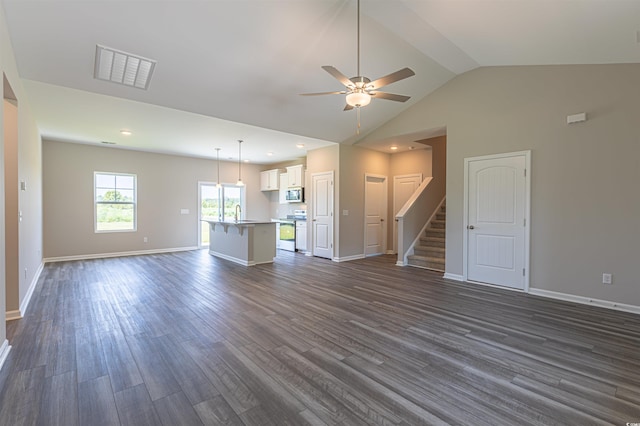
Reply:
x=358 y=99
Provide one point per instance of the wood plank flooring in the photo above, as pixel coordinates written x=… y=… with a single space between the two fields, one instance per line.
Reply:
x=189 y=339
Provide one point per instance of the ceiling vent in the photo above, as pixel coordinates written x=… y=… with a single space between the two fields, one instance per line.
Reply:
x=123 y=68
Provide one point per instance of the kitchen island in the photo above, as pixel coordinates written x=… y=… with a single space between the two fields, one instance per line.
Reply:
x=247 y=242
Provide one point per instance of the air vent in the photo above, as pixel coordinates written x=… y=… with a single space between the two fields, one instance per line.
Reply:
x=123 y=68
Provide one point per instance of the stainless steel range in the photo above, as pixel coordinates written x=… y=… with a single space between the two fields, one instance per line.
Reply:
x=287 y=234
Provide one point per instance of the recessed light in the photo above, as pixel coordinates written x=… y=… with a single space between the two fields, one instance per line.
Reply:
x=300 y=145
x=393 y=148
x=246 y=161
x=125 y=132
x=270 y=154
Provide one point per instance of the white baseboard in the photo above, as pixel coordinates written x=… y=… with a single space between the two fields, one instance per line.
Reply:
x=454 y=277
x=17 y=314
x=348 y=258
x=585 y=300
x=119 y=254
x=4 y=352
x=401 y=263
x=13 y=315
x=27 y=297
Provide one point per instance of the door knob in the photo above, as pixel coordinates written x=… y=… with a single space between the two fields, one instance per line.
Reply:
x=471 y=227
x=381 y=220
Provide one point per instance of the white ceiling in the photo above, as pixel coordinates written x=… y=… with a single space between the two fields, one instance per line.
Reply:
x=234 y=69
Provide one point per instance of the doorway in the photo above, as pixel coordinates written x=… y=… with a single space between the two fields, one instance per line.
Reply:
x=496 y=212
x=375 y=214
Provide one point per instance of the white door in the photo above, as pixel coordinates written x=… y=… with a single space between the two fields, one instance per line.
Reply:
x=375 y=214
x=403 y=188
x=322 y=214
x=497 y=220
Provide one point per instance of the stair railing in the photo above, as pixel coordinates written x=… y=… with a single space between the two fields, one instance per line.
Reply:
x=414 y=216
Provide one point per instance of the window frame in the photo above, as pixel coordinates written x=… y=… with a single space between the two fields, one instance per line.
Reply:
x=133 y=203
x=220 y=192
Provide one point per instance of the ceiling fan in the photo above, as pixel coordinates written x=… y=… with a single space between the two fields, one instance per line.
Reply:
x=360 y=89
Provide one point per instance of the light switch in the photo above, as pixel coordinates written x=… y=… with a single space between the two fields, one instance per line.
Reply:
x=345 y=212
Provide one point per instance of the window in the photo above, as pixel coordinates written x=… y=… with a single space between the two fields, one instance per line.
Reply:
x=115 y=202
x=218 y=204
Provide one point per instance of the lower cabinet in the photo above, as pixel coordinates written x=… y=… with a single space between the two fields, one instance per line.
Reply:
x=301 y=235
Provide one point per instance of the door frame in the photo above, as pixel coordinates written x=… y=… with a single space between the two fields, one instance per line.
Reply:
x=527 y=215
x=385 y=208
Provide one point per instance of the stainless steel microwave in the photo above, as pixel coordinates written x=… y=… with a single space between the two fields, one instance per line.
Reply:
x=295 y=195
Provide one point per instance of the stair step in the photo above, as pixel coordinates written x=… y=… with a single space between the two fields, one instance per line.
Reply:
x=426 y=262
x=435 y=232
x=429 y=251
x=441 y=216
x=432 y=241
x=438 y=224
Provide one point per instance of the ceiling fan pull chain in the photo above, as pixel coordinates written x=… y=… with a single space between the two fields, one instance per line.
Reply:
x=358 y=118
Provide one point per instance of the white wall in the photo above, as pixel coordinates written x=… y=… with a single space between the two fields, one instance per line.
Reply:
x=585 y=176
x=166 y=184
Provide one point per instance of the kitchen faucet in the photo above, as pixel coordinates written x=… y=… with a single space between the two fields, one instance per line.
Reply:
x=238 y=212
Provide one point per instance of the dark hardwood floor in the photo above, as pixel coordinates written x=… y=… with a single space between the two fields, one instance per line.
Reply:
x=189 y=339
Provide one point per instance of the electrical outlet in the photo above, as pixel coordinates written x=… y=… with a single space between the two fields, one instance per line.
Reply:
x=606 y=278
x=145 y=240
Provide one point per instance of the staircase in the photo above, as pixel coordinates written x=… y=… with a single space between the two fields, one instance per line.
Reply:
x=429 y=252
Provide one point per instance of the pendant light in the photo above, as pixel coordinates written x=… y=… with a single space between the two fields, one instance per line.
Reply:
x=240 y=183
x=218 y=184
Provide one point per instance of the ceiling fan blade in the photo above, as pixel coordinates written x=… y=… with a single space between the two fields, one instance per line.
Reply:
x=392 y=78
x=347 y=107
x=323 y=93
x=390 y=96
x=338 y=75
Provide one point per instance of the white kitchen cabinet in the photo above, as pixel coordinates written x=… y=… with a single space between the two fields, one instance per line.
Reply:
x=301 y=235
x=296 y=176
x=284 y=184
x=269 y=180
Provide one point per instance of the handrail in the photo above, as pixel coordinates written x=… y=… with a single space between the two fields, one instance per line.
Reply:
x=414 y=215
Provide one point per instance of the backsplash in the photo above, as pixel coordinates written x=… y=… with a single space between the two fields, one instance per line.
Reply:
x=287 y=209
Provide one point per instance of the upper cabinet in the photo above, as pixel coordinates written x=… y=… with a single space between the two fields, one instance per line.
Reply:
x=295 y=176
x=284 y=183
x=269 y=180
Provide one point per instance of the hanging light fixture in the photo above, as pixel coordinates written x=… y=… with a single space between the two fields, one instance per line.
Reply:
x=240 y=183
x=218 y=184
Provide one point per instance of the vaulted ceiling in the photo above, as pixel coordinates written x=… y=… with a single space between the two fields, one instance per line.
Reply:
x=234 y=69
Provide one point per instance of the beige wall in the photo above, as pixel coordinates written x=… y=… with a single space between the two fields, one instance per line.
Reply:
x=29 y=170
x=350 y=164
x=355 y=162
x=326 y=160
x=409 y=162
x=12 y=277
x=585 y=176
x=166 y=184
